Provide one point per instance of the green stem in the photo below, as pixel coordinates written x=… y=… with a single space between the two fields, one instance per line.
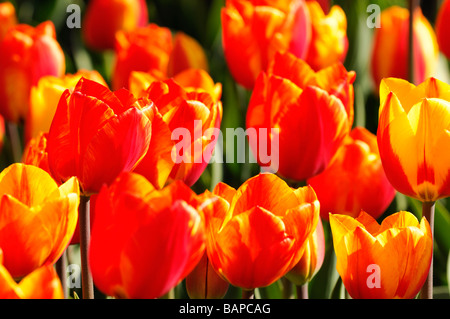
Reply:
x=12 y=132
x=302 y=291
x=428 y=213
x=85 y=234
x=61 y=266
x=287 y=288
x=248 y=294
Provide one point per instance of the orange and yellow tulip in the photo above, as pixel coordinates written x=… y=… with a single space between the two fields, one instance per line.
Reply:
x=257 y=233
x=253 y=31
x=185 y=125
x=413 y=136
x=35 y=152
x=8 y=18
x=355 y=179
x=45 y=97
x=26 y=54
x=390 y=48
x=313 y=112
x=37 y=218
x=144 y=241
x=96 y=134
x=152 y=49
x=104 y=18
x=329 y=42
x=442 y=28
x=42 y=283
x=384 y=261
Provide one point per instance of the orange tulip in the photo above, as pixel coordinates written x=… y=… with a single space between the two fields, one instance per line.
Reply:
x=144 y=241
x=329 y=43
x=256 y=234
x=8 y=18
x=253 y=31
x=185 y=125
x=355 y=179
x=442 y=28
x=45 y=97
x=35 y=152
x=312 y=258
x=313 y=113
x=26 y=54
x=105 y=17
x=152 y=49
x=390 y=49
x=42 y=283
x=413 y=136
x=204 y=283
x=96 y=134
x=37 y=218
x=375 y=261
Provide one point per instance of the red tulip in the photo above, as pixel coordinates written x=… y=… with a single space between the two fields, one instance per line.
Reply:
x=443 y=28
x=8 y=18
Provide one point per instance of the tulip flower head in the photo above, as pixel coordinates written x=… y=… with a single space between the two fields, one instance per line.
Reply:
x=144 y=241
x=8 y=18
x=384 y=261
x=413 y=137
x=257 y=233
x=38 y=215
x=442 y=28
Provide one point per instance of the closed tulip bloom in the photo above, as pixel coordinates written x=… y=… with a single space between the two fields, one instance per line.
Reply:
x=442 y=28
x=42 y=283
x=257 y=233
x=312 y=258
x=413 y=136
x=384 y=261
x=144 y=241
x=355 y=179
x=329 y=42
x=253 y=31
x=45 y=97
x=8 y=18
x=186 y=125
x=37 y=218
x=390 y=48
x=26 y=54
x=96 y=134
x=312 y=111
x=105 y=17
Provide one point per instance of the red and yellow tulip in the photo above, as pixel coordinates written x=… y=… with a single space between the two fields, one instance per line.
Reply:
x=253 y=31
x=104 y=18
x=8 y=18
x=26 y=54
x=355 y=179
x=390 y=48
x=96 y=134
x=313 y=112
x=442 y=28
x=257 y=233
x=144 y=241
x=37 y=218
x=413 y=136
x=329 y=42
x=385 y=261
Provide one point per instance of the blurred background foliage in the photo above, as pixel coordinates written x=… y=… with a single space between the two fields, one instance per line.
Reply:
x=201 y=20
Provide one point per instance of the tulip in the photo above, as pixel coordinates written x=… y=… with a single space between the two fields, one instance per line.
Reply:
x=96 y=134
x=105 y=17
x=253 y=31
x=442 y=28
x=8 y=18
x=42 y=283
x=37 y=218
x=45 y=97
x=413 y=134
x=185 y=126
x=35 y=152
x=329 y=42
x=204 y=283
x=257 y=233
x=26 y=54
x=355 y=179
x=152 y=49
x=375 y=261
x=390 y=49
x=144 y=241
x=313 y=112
